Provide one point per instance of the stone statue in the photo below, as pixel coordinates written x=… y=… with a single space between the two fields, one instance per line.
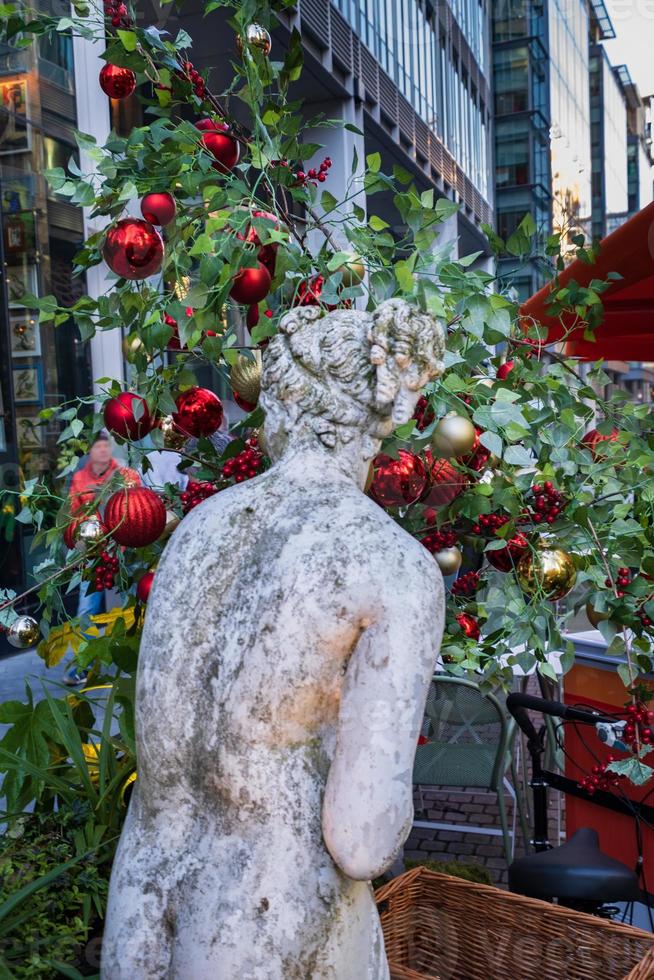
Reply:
x=289 y=641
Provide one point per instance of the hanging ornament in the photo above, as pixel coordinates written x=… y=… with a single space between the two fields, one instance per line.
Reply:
x=245 y=381
x=256 y=36
x=594 y=617
x=135 y=517
x=453 y=436
x=449 y=560
x=398 y=482
x=469 y=626
x=133 y=249
x=504 y=370
x=199 y=412
x=144 y=585
x=89 y=534
x=172 y=437
x=216 y=139
x=159 y=209
x=120 y=416
x=593 y=439
x=424 y=414
x=132 y=346
x=353 y=271
x=23 y=633
x=445 y=482
x=507 y=558
x=252 y=318
x=117 y=82
x=251 y=285
x=548 y=571
x=70 y=531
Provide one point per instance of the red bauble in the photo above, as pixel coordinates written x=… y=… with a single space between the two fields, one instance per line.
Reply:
x=251 y=285
x=445 y=482
x=116 y=82
x=144 y=585
x=504 y=370
x=479 y=457
x=159 y=209
x=398 y=482
x=217 y=141
x=135 y=516
x=593 y=439
x=120 y=416
x=469 y=626
x=506 y=559
x=199 y=412
x=242 y=403
x=253 y=316
x=133 y=249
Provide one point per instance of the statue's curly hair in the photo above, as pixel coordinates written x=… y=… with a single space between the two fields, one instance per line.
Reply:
x=340 y=371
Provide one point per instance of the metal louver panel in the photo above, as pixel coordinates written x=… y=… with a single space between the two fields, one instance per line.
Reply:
x=54 y=99
x=315 y=16
x=341 y=41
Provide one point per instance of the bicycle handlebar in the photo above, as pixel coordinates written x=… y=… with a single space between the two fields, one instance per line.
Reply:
x=518 y=704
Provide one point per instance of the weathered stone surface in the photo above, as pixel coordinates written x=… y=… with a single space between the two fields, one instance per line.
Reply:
x=289 y=641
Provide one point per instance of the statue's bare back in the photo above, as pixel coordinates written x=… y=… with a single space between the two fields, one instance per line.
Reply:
x=289 y=641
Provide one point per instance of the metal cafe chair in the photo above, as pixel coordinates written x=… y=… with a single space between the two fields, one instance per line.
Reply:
x=467 y=739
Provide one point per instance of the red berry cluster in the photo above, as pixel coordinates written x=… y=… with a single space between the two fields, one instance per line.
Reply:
x=601 y=778
x=246 y=465
x=645 y=619
x=314 y=176
x=189 y=73
x=195 y=493
x=622 y=581
x=117 y=14
x=489 y=523
x=105 y=571
x=548 y=502
x=424 y=413
x=438 y=541
x=638 y=727
x=466 y=585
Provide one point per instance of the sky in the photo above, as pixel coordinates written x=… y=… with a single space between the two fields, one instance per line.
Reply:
x=634 y=25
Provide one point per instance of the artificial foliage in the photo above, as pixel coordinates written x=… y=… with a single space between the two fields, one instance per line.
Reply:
x=246 y=228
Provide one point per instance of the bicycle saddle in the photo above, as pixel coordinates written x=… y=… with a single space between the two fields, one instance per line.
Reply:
x=576 y=870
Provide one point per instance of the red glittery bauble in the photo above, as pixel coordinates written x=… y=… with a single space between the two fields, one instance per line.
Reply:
x=444 y=482
x=199 y=412
x=116 y=82
x=469 y=626
x=251 y=285
x=217 y=141
x=159 y=209
x=398 y=482
x=506 y=559
x=133 y=249
x=135 y=516
x=120 y=416
x=144 y=585
x=593 y=439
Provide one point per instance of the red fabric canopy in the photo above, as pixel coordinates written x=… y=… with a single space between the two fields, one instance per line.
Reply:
x=627 y=332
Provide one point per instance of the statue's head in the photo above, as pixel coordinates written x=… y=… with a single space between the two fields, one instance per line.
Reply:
x=329 y=378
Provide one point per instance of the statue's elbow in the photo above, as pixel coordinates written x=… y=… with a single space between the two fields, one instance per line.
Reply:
x=362 y=856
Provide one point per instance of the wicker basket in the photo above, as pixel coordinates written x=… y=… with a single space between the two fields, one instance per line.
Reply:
x=441 y=928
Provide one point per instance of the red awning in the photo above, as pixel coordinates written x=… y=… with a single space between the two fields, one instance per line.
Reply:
x=627 y=332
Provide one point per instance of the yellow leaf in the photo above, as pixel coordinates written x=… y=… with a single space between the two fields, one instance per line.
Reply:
x=60 y=639
x=109 y=619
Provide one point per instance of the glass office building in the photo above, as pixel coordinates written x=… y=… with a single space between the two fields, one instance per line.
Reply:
x=40 y=366
x=609 y=145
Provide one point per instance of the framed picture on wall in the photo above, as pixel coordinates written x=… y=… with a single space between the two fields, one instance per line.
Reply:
x=21 y=279
x=14 y=127
x=25 y=333
x=31 y=435
x=28 y=384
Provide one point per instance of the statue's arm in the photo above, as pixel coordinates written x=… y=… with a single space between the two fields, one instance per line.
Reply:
x=368 y=807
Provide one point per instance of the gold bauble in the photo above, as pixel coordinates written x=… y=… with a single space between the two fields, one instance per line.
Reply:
x=172 y=437
x=594 y=617
x=172 y=520
x=548 y=571
x=256 y=36
x=449 y=560
x=24 y=633
x=245 y=377
x=88 y=534
x=131 y=347
x=454 y=435
x=353 y=271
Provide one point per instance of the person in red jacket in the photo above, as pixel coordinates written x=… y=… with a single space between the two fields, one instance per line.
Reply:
x=86 y=484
